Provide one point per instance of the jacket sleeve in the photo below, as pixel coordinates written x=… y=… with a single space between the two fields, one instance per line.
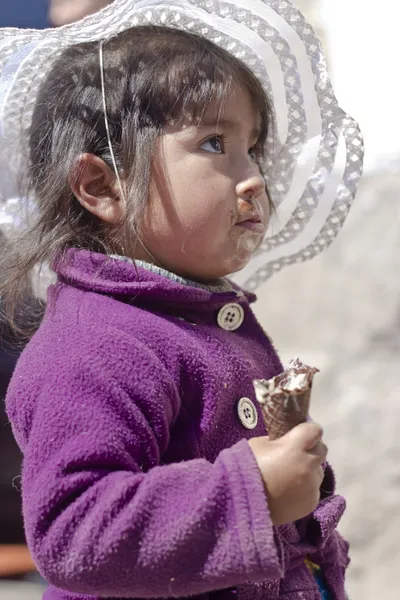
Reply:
x=104 y=516
x=328 y=548
x=333 y=557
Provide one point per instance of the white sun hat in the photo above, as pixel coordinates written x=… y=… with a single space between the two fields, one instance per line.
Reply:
x=314 y=152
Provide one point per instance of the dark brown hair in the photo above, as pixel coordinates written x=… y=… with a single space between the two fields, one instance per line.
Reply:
x=153 y=75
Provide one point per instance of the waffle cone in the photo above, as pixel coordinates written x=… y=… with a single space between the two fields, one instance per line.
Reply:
x=285 y=403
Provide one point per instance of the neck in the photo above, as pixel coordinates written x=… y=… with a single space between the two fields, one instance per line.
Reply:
x=219 y=285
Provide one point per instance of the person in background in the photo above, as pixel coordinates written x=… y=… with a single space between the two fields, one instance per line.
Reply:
x=63 y=12
x=18 y=576
x=14 y=556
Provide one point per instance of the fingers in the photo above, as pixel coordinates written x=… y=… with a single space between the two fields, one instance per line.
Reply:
x=320 y=451
x=305 y=436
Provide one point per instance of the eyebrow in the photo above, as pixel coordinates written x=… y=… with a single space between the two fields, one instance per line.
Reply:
x=227 y=124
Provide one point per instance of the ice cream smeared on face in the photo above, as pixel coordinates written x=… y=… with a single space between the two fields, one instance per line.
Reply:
x=245 y=246
x=250 y=241
x=285 y=399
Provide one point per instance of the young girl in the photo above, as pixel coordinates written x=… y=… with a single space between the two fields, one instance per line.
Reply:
x=147 y=471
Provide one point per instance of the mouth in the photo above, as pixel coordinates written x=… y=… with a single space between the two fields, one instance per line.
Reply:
x=254 y=225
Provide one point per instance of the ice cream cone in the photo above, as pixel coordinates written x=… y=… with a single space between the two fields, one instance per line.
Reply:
x=285 y=399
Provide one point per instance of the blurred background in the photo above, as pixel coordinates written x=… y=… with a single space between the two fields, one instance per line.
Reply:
x=341 y=311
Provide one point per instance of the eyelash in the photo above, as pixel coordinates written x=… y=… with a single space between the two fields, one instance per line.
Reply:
x=222 y=138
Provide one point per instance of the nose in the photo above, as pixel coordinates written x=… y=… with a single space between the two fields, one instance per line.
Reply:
x=250 y=188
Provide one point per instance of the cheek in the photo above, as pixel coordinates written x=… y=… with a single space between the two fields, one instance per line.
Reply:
x=191 y=199
x=203 y=213
x=205 y=205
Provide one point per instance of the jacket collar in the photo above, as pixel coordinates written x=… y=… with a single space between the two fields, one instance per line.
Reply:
x=112 y=276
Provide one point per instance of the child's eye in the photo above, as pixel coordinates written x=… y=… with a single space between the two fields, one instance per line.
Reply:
x=214 y=144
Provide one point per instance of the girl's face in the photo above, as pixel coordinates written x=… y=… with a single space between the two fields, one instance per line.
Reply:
x=208 y=207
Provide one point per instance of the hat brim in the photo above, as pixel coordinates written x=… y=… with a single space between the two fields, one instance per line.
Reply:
x=314 y=152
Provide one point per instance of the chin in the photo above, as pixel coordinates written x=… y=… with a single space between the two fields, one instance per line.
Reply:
x=239 y=265
x=225 y=269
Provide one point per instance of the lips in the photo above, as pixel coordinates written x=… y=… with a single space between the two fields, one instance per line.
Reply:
x=254 y=224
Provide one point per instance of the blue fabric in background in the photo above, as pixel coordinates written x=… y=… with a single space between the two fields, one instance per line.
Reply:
x=23 y=13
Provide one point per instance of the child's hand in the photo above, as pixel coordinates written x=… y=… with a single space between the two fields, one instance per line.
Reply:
x=292 y=472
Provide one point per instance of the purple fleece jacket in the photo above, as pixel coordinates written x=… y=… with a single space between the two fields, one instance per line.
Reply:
x=138 y=481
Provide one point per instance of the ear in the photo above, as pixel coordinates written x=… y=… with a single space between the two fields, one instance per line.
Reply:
x=95 y=186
